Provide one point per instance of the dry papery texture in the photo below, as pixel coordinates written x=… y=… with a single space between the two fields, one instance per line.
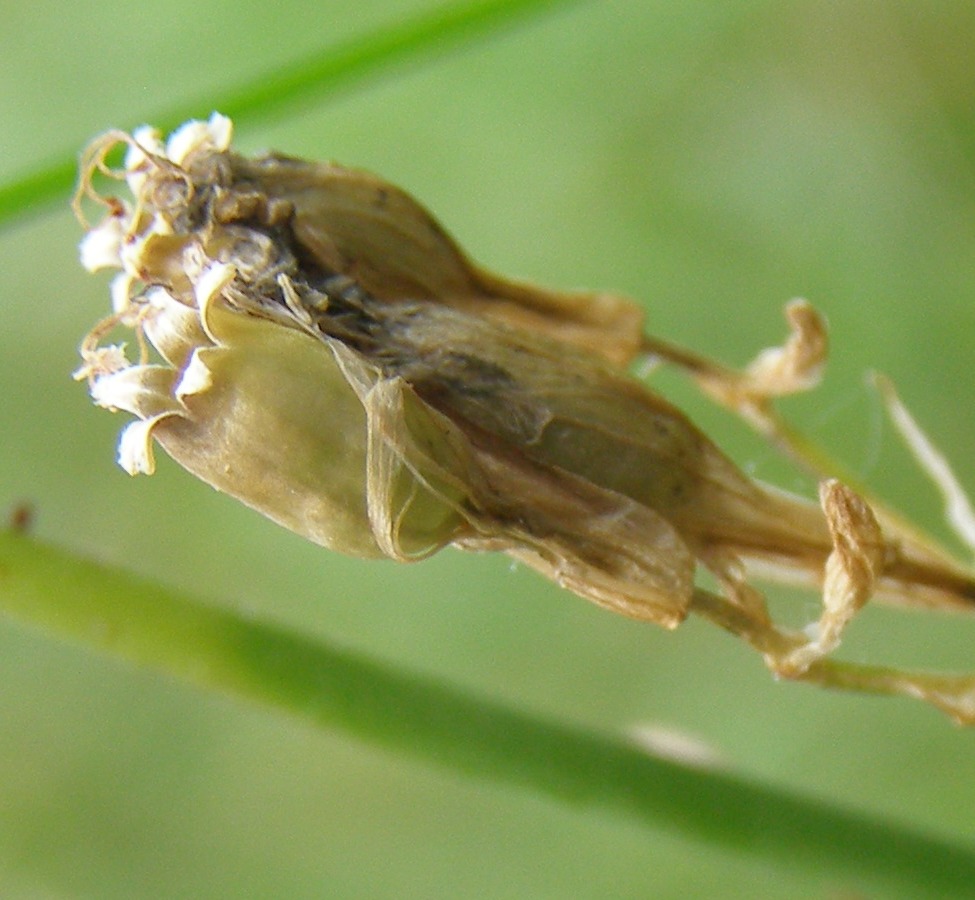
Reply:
x=312 y=342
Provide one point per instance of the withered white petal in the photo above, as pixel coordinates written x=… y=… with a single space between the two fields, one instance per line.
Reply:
x=145 y=391
x=221 y=130
x=197 y=377
x=101 y=248
x=184 y=140
x=135 y=446
x=145 y=139
x=214 y=135
x=120 y=290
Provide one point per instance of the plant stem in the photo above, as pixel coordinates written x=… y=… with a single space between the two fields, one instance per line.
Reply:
x=269 y=94
x=409 y=715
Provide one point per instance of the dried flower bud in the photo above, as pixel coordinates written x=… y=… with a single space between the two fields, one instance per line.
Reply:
x=330 y=357
x=312 y=342
x=242 y=396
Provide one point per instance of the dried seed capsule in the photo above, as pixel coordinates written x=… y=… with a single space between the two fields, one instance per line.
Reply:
x=243 y=396
x=312 y=343
x=331 y=358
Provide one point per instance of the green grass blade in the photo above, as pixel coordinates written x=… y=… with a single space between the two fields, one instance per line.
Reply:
x=417 y=717
x=36 y=191
x=273 y=93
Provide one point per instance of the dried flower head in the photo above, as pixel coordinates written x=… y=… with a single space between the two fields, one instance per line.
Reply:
x=242 y=394
x=310 y=341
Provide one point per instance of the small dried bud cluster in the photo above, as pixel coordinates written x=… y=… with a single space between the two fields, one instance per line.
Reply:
x=241 y=397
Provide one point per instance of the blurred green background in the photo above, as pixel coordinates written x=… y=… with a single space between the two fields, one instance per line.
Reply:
x=711 y=159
